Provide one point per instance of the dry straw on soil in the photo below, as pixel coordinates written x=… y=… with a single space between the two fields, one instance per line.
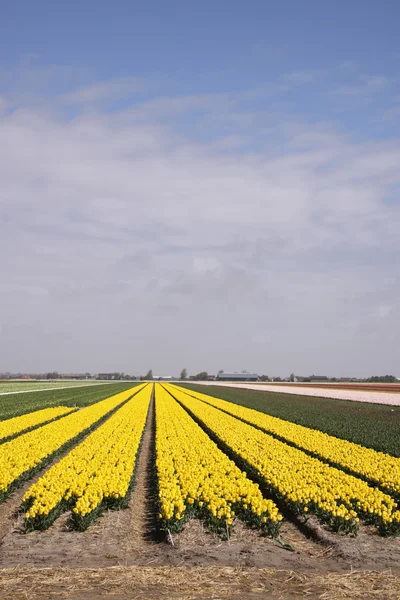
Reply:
x=194 y=583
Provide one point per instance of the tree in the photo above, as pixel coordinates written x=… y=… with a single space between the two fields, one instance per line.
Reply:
x=220 y=372
x=183 y=374
x=149 y=375
x=382 y=379
x=53 y=375
x=203 y=376
x=291 y=378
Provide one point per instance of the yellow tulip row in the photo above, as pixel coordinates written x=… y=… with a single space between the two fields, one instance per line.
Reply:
x=196 y=478
x=376 y=467
x=305 y=483
x=96 y=474
x=12 y=427
x=21 y=457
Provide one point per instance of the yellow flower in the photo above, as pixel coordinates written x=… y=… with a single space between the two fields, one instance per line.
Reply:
x=99 y=467
x=193 y=471
x=304 y=481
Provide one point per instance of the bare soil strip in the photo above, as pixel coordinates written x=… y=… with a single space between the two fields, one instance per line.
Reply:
x=142 y=528
x=197 y=583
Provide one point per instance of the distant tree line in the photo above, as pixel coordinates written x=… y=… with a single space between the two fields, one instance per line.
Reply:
x=202 y=376
x=116 y=376
x=53 y=375
x=382 y=379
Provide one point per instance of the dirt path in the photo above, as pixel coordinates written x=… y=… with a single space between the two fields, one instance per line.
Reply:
x=9 y=513
x=195 y=583
x=141 y=527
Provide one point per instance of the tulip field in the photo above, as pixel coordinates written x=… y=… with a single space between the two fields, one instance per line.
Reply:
x=195 y=477
x=212 y=460
x=97 y=473
x=305 y=483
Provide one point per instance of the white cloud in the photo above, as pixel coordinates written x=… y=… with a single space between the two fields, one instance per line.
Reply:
x=3 y=105
x=110 y=90
x=366 y=85
x=204 y=264
x=128 y=244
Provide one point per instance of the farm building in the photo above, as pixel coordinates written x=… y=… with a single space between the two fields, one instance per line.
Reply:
x=237 y=377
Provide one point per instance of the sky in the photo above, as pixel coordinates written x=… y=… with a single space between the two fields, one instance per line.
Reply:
x=208 y=185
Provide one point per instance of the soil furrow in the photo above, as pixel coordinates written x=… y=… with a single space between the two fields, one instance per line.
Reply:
x=142 y=527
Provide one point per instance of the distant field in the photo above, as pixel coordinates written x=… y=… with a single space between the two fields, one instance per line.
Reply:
x=17 y=386
x=377 y=387
x=12 y=405
x=373 y=425
x=371 y=395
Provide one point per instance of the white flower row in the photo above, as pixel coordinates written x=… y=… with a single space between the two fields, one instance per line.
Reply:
x=374 y=397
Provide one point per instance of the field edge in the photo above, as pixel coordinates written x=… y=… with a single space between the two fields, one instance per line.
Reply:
x=194 y=582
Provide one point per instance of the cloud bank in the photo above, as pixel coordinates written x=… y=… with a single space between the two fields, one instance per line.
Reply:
x=141 y=230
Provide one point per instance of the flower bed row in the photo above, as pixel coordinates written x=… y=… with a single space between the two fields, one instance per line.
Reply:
x=23 y=456
x=195 y=478
x=306 y=484
x=96 y=474
x=375 y=467
x=18 y=425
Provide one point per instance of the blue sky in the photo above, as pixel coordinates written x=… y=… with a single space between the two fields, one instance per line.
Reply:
x=191 y=39
x=172 y=169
